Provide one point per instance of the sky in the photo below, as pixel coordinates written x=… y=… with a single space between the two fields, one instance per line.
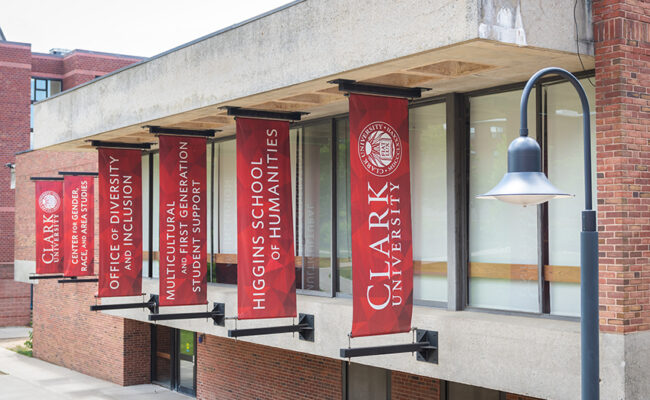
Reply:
x=133 y=27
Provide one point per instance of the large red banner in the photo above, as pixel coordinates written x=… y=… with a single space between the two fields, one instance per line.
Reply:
x=183 y=234
x=266 y=271
x=382 y=256
x=79 y=223
x=120 y=222
x=49 y=226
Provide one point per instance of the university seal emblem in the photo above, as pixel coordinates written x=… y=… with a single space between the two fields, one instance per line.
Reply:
x=380 y=148
x=49 y=202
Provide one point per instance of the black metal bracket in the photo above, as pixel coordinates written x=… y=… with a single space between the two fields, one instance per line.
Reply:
x=57 y=276
x=305 y=329
x=152 y=305
x=45 y=178
x=78 y=173
x=264 y=114
x=218 y=315
x=159 y=130
x=351 y=86
x=74 y=279
x=425 y=346
x=120 y=145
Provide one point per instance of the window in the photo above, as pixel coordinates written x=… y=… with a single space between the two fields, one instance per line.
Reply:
x=365 y=382
x=427 y=144
x=41 y=89
x=508 y=244
x=563 y=130
x=313 y=204
x=502 y=237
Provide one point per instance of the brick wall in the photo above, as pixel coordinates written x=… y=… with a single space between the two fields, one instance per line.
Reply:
x=230 y=369
x=405 y=386
x=14 y=136
x=42 y=163
x=510 y=396
x=622 y=50
x=66 y=333
x=80 y=66
x=17 y=65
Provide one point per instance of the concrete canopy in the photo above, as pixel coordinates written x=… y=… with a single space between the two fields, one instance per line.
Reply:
x=283 y=60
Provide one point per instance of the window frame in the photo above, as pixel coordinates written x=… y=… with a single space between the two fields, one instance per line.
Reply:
x=543 y=286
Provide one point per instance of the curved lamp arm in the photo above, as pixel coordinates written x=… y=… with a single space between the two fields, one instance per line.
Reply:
x=586 y=131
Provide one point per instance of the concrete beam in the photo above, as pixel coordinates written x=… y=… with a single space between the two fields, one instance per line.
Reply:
x=305 y=41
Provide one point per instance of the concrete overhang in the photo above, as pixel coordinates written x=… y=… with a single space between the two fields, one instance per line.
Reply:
x=284 y=59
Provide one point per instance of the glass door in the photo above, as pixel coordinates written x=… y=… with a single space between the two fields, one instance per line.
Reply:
x=174 y=359
x=186 y=361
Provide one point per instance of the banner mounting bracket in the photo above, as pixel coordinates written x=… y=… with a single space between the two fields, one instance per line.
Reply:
x=425 y=346
x=263 y=114
x=152 y=305
x=75 y=279
x=56 y=276
x=160 y=130
x=119 y=145
x=352 y=86
x=217 y=314
x=305 y=329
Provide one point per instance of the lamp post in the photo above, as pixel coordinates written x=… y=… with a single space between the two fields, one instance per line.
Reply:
x=526 y=184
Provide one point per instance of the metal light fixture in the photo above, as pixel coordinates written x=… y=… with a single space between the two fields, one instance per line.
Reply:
x=526 y=184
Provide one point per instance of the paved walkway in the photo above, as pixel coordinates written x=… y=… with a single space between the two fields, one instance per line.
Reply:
x=24 y=378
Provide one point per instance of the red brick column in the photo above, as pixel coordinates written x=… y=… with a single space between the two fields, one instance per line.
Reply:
x=15 y=71
x=622 y=52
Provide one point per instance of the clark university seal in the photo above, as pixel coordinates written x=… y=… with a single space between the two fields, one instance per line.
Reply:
x=380 y=148
x=49 y=201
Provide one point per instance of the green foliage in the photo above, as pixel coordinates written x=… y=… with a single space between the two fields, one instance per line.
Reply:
x=29 y=342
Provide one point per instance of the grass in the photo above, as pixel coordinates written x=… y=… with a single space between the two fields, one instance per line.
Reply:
x=22 y=350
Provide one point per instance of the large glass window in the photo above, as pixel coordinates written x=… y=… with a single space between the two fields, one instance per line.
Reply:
x=427 y=144
x=313 y=185
x=225 y=213
x=343 y=219
x=502 y=237
x=563 y=129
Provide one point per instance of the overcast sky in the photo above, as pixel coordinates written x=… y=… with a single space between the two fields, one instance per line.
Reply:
x=134 y=27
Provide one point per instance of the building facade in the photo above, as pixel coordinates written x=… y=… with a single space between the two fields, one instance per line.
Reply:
x=28 y=77
x=500 y=284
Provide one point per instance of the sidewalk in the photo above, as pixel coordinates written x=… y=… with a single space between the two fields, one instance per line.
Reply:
x=23 y=377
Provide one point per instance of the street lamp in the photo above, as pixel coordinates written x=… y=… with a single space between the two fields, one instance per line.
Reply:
x=526 y=184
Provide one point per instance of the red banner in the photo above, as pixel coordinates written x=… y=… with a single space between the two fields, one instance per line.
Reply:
x=120 y=222
x=79 y=223
x=183 y=233
x=49 y=226
x=382 y=256
x=266 y=270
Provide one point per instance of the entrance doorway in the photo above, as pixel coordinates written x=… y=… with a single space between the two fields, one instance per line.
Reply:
x=173 y=359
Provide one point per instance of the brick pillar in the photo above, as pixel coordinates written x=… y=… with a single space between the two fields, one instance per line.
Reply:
x=622 y=52
x=15 y=72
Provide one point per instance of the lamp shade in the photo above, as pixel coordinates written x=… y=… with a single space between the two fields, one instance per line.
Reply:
x=524 y=183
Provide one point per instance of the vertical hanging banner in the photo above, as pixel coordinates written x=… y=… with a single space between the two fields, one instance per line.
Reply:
x=382 y=256
x=266 y=271
x=49 y=225
x=78 y=221
x=120 y=222
x=183 y=233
